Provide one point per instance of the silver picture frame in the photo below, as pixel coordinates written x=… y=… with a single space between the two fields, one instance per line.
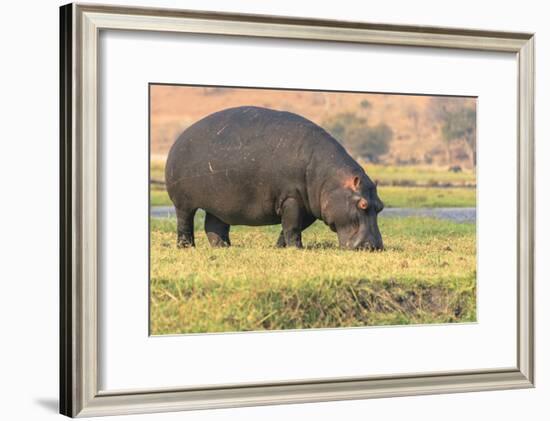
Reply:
x=80 y=25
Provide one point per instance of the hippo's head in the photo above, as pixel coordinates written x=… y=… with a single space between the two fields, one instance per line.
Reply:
x=351 y=209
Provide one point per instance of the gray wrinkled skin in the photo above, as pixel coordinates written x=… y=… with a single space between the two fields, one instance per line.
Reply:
x=256 y=166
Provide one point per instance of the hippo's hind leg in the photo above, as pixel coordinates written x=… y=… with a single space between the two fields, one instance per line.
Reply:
x=307 y=220
x=186 y=231
x=217 y=231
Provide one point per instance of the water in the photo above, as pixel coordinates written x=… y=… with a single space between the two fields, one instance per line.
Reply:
x=450 y=214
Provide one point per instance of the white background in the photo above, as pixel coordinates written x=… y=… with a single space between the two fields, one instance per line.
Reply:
x=130 y=61
x=29 y=308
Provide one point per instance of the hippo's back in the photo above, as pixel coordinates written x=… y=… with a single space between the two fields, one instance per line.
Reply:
x=238 y=163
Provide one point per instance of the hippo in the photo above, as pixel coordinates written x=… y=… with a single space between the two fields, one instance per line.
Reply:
x=256 y=166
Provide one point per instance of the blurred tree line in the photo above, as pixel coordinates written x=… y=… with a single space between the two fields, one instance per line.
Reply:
x=458 y=124
x=456 y=121
x=361 y=140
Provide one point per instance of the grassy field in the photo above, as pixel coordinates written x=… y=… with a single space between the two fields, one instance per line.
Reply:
x=420 y=174
x=427 y=274
x=420 y=196
x=392 y=196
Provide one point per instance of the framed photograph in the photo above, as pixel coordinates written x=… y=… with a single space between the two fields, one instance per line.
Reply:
x=261 y=210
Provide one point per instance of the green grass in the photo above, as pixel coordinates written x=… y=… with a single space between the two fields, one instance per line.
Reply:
x=157 y=170
x=419 y=174
x=426 y=275
x=427 y=197
x=159 y=197
x=392 y=196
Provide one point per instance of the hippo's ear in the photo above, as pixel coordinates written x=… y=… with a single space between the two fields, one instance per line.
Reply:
x=353 y=183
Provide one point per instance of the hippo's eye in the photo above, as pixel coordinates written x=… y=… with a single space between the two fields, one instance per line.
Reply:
x=362 y=204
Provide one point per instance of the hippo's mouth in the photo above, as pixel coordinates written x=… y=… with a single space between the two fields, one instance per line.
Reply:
x=360 y=244
x=361 y=236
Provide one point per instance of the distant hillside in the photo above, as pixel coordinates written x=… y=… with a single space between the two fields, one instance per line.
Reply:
x=417 y=134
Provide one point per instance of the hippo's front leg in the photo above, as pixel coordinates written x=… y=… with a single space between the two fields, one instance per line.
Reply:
x=307 y=220
x=292 y=216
